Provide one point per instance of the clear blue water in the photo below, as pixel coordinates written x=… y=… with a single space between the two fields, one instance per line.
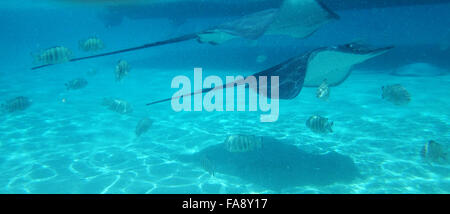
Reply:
x=79 y=146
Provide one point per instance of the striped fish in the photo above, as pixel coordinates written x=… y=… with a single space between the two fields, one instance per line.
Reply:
x=395 y=94
x=243 y=143
x=16 y=104
x=122 y=70
x=208 y=165
x=76 y=84
x=323 y=92
x=116 y=105
x=92 y=44
x=54 y=55
x=319 y=124
x=433 y=152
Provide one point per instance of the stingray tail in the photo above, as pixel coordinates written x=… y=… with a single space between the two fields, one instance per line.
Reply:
x=154 y=44
x=201 y=91
x=184 y=95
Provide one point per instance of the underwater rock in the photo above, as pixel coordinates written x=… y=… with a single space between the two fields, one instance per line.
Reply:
x=419 y=69
x=92 y=44
x=54 y=55
x=319 y=124
x=143 y=126
x=76 y=84
x=323 y=91
x=122 y=70
x=19 y=103
x=433 y=152
x=277 y=165
x=243 y=143
x=395 y=94
x=116 y=105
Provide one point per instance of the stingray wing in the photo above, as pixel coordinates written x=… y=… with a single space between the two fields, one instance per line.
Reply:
x=296 y=18
x=251 y=27
x=291 y=74
x=300 y=18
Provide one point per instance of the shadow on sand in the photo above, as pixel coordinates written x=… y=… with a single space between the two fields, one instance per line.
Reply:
x=278 y=165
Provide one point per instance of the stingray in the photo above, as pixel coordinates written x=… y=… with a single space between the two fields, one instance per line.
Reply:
x=295 y=18
x=277 y=165
x=309 y=70
x=182 y=10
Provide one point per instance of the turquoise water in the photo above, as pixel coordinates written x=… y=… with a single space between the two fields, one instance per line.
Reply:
x=67 y=142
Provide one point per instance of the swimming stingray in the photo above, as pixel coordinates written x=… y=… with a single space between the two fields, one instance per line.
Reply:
x=310 y=69
x=276 y=165
x=296 y=18
x=181 y=10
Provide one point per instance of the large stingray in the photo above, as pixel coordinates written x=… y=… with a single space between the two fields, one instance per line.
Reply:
x=310 y=69
x=296 y=18
x=277 y=165
x=181 y=10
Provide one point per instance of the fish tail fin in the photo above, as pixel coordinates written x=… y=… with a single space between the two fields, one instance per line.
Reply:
x=36 y=58
x=80 y=43
x=331 y=126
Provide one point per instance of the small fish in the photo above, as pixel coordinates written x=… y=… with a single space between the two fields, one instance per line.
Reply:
x=323 y=92
x=92 y=44
x=122 y=70
x=143 y=126
x=76 y=84
x=208 y=165
x=243 y=143
x=433 y=152
x=319 y=124
x=116 y=105
x=54 y=55
x=396 y=94
x=16 y=104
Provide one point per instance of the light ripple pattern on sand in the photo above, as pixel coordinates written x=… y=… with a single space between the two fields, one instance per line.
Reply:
x=78 y=147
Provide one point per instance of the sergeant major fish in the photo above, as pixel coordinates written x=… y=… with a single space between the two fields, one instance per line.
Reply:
x=323 y=92
x=243 y=143
x=122 y=70
x=92 y=44
x=208 y=165
x=19 y=103
x=116 y=105
x=54 y=55
x=76 y=84
x=319 y=124
x=433 y=152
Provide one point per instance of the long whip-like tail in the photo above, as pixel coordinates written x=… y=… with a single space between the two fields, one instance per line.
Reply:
x=201 y=91
x=159 y=43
